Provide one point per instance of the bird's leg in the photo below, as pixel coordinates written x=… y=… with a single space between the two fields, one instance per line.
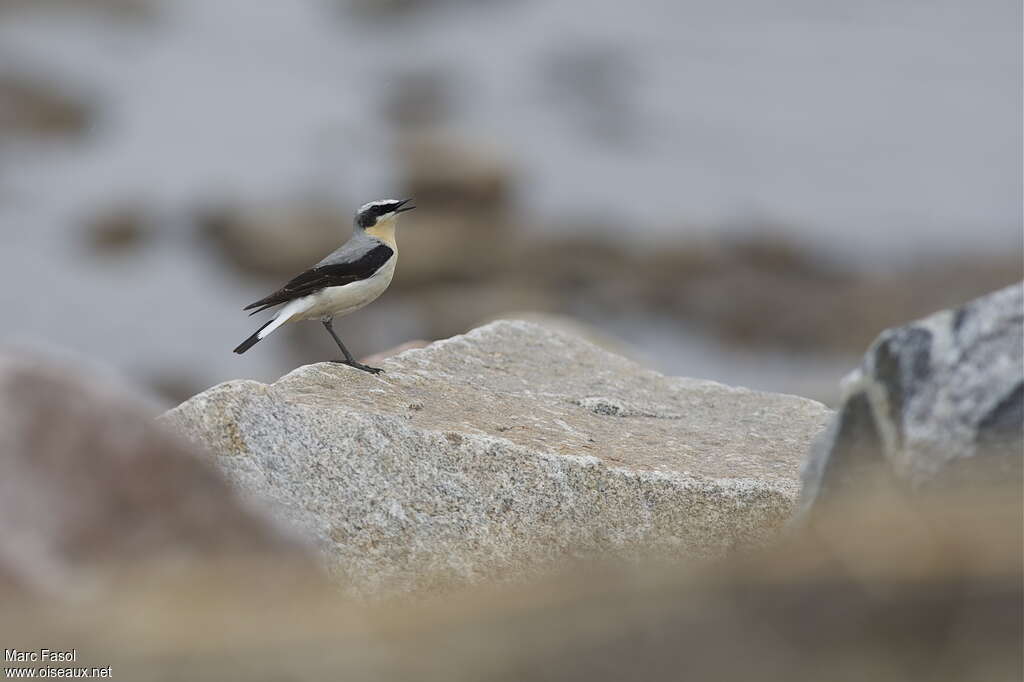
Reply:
x=349 y=360
x=329 y=324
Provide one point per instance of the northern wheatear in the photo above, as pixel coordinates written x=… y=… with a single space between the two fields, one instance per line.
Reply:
x=343 y=282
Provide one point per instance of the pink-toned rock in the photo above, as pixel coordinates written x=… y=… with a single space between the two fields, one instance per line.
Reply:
x=92 y=490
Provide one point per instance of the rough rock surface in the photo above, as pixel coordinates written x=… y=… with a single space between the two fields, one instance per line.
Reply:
x=491 y=453
x=934 y=401
x=91 y=489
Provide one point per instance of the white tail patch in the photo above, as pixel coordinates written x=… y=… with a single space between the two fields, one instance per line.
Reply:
x=286 y=313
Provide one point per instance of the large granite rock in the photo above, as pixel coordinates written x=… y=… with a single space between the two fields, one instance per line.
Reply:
x=936 y=403
x=493 y=453
x=92 y=491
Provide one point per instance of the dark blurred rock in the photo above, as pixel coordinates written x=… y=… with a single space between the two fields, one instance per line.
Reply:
x=756 y=290
x=128 y=9
x=419 y=99
x=462 y=230
x=384 y=10
x=120 y=229
x=573 y=263
x=936 y=403
x=33 y=107
x=445 y=174
x=453 y=309
x=277 y=240
x=439 y=248
x=767 y=250
x=760 y=293
x=92 y=491
x=379 y=9
x=752 y=290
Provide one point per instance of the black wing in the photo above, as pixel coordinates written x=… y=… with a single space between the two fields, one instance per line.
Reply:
x=327 y=275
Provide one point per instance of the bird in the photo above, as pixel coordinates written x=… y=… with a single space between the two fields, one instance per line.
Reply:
x=346 y=280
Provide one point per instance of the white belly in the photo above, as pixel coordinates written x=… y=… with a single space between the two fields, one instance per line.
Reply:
x=338 y=301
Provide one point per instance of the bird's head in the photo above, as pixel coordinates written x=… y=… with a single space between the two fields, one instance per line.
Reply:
x=382 y=213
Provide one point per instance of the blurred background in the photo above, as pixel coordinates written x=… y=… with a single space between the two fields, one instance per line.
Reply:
x=741 y=191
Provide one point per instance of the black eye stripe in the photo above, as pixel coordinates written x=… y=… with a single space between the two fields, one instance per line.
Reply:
x=370 y=215
x=386 y=208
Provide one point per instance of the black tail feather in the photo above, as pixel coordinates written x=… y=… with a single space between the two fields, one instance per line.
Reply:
x=252 y=340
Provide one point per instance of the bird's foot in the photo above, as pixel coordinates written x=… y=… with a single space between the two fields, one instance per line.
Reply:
x=359 y=365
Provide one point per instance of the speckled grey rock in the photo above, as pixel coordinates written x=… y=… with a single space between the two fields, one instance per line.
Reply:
x=937 y=402
x=492 y=453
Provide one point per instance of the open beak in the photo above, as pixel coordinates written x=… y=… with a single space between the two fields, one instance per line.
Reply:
x=402 y=208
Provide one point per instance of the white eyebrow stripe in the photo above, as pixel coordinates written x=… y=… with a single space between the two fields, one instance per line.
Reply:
x=379 y=202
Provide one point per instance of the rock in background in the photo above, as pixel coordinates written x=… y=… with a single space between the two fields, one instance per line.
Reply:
x=470 y=252
x=32 y=108
x=278 y=240
x=491 y=454
x=936 y=403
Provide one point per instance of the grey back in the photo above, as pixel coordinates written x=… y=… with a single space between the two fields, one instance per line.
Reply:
x=355 y=248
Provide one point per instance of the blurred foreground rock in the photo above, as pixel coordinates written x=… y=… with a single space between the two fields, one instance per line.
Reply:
x=929 y=595
x=493 y=454
x=936 y=403
x=92 y=491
